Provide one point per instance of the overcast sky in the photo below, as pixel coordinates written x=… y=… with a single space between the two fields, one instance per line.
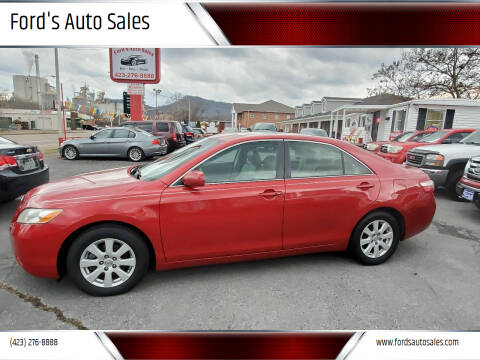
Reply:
x=290 y=75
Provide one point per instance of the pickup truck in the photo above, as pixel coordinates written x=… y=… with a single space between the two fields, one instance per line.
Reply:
x=469 y=185
x=445 y=164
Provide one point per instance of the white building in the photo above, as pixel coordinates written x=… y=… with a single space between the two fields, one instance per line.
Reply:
x=33 y=89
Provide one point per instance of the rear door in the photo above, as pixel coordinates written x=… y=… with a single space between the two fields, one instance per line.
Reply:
x=326 y=189
x=238 y=211
x=119 y=142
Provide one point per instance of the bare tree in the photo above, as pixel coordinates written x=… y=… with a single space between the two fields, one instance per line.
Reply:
x=431 y=72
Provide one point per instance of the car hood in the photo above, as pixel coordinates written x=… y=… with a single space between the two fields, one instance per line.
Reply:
x=450 y=149
x=94 y=185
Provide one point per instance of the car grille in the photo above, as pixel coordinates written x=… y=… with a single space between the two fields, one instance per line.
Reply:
x=414 y=159
x=384 y=149
x=473 y=171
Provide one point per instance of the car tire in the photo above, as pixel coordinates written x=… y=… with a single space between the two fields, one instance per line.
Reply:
x=451 y=185
x=135 y=154
x=70 y=152
x=134 y=62
x=369 y=243
x=91 y=247
x=477 y=203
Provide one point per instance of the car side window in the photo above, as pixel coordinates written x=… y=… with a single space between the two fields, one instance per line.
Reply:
x=354 y=167
x=103 y=134
x=178 y=128
x=250 y=161
x=309 y=159
x=456 y=137
x=121 y=133
x=131 y=134
x=162 y=126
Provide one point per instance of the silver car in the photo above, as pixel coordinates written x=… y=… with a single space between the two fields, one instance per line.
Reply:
x=132 y=143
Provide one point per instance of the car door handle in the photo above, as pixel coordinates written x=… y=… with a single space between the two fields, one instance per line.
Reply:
x=365 y=186
x=270 y=193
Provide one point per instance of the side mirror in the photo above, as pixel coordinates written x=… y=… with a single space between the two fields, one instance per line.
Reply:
x=249 y=129
x=92 y=137
x=447 y=141
x=194 y=178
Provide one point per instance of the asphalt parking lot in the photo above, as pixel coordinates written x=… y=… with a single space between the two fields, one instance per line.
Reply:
x=432 y=282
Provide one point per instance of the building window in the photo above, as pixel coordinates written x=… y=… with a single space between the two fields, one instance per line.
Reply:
x=400 y=116
x=434 y=119
x=264 y=116
x=252 y=116
x=288 y=116
x=276 y=116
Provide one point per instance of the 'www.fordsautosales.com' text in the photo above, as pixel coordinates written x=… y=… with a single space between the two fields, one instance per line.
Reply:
x=417 y=342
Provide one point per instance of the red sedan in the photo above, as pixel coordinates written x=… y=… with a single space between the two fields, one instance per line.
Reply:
x=250 y=195
x=396 y=152
x=407 y=136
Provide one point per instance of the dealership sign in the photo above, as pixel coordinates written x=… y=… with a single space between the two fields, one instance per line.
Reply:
x=135 y=65
x=136 y=89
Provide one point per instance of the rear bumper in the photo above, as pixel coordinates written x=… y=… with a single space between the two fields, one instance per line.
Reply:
x=439 y=176
x=13 y=185
x=155 y=150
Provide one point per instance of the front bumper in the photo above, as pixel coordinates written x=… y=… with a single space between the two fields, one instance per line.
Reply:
x=36 y=247
x=461 y=185
x=439 y=176
x=394 y=158
x=13 y=185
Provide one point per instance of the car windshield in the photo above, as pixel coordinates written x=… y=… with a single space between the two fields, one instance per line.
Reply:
x=403 y=137
x=5 y=141
x=165 y=165
x=473 y=138
x=262 y=126
x=433 y=137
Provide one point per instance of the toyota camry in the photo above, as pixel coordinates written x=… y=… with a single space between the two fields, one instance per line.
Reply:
x=250 y=195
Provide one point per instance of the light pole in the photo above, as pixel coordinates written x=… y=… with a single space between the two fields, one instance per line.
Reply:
x=157 y=92
x=57 y=81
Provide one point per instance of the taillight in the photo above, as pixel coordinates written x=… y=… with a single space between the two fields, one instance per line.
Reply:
x=427 y=185
x=195 y=135
x=156 y=142
x=188 y=134
x=174 y=137
x=7 y=161
x=40 y=155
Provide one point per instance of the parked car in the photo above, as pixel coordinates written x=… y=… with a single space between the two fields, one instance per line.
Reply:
x=133 y=60
x=445 y=164
x=200 y=132
x=328 y=195
x=469 y=185
x=21 y=168
x=314 y=132
x=170 y=130
x=261 y=126
x=133 y=144
x=190 y=135
x=407 y=136
x=396 y=152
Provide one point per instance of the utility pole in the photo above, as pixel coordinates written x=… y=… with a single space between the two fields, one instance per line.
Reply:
x=57 y=81
x=157 y=92
x=188 y=110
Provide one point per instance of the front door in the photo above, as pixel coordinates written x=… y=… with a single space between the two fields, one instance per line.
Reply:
x=98 y=145
x=238 y=211
x=326 y=190
x=375 y=122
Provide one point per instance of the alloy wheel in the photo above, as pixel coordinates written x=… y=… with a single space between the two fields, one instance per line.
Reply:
x=70 y=153
x=376 y=239
x=107 y=262
x=135 y=154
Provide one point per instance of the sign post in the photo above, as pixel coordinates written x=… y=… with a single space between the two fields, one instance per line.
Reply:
x=135 y=66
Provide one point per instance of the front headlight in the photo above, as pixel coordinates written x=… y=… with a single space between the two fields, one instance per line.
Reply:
x=395 y=149
x=434 y=160
x=372 y=146
x=38 y=216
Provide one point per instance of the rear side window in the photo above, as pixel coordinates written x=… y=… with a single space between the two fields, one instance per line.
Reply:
x=121 y=133
x=162 y=127
x=309 y=159
x=178 y=127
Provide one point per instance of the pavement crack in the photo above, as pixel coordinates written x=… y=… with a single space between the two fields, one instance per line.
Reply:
x=459 y=232
x=37 y=303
